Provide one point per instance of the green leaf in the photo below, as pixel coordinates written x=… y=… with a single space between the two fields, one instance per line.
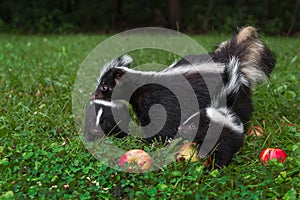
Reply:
x=292 y=78
x=7 y=196
x=27 y=155
x=214 y=173
x=176 y=173
x=290 y=94
x=162 y=186
x=281 y=89
x=293 y=59
x=139 y=193
x=152 y=191
x=290 y=195
x=4 y=161
x=200 y=169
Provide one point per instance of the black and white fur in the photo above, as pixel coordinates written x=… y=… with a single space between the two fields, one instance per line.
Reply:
x=106 y=118
x=104 y=91
x=233 y=117
x=143 y=98
x=219 y=133
x=219 y=130
x=254 y=61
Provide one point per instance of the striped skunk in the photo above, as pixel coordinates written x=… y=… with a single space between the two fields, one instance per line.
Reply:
x=219 y=133
x=106 y=118
x=170 y=96
x=232 y=118
x=160 y=88
x=217 y=129
x=255 y=62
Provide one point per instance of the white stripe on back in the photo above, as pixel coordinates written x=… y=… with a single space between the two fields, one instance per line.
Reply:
x=226 y=117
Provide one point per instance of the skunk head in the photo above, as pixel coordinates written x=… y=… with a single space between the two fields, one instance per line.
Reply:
x=110 y=77
x=190 y=125
x=106 y=118
x=195 y=127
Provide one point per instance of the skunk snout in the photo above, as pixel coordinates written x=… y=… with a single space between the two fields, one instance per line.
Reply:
x=93 y=132
x=182 y=131
x=97 y=95
x=179 y=129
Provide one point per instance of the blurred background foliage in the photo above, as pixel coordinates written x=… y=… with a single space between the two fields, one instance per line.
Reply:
x=275 y=17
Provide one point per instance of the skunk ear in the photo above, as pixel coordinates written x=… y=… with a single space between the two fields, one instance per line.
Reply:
x=124 y=60
x=118 y=75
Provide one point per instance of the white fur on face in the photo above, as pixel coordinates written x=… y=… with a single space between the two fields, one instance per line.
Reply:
x=112 y=104
x=99 y=114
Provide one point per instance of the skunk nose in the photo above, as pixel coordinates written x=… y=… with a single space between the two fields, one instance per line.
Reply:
x=95 y=96
x=95 y=131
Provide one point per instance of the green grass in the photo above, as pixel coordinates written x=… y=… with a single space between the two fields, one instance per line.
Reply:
x=40 y=150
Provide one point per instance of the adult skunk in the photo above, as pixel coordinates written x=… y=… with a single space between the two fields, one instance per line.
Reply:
x=255 y=63
x=161 y=100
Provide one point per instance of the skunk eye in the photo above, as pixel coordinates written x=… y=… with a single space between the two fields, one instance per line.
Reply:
x=104 y=88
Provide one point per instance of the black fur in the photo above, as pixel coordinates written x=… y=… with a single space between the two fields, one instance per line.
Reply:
x=227 y=144
x=104 y=91
x=238 y=98
x=230 y=140
x=148 y=95
x=113 y=121
x=255 y=63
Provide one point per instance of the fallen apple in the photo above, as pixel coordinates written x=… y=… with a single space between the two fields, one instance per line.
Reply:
x=272 y=153
x=188 y=152
x=136 y=160
x=256 y=130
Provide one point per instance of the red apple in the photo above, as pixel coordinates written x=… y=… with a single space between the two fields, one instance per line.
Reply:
x=188 y=152
x=272 y=153
x=136 y=160
x=256 y=130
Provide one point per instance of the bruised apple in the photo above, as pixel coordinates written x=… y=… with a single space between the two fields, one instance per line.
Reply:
x=136 y=160
x=188 y=152
x=256 y=130
x=272 y=153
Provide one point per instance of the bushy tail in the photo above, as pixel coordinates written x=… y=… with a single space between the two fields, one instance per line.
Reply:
x=256 y=61
x=234 y=80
